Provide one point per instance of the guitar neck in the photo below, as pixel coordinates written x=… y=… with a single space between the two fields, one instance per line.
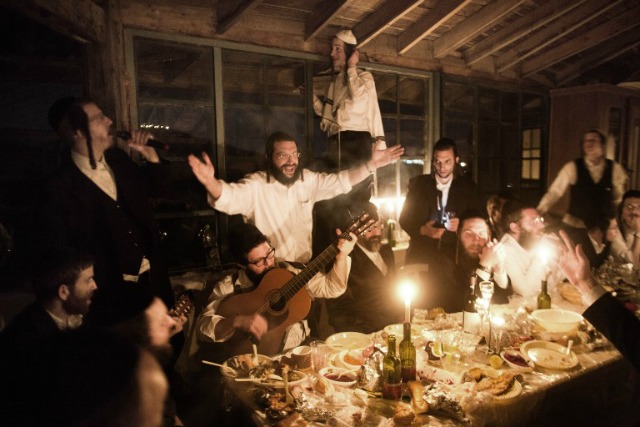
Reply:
x=317 y=264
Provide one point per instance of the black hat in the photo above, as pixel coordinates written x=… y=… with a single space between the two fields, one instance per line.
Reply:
x=243 y=238
x=119 y=304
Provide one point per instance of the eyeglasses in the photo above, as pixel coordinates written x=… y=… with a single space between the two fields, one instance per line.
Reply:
x=261 y=262
x=631 y=206
x=470 y=234
x=101 y=116
x=287 y=156
x=535 y=219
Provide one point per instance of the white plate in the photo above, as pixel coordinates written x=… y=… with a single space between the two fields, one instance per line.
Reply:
x=515 y=366
x=230 y=363
x=514 y=391
x=349 y=341
x=549 y=355
x=347 y=377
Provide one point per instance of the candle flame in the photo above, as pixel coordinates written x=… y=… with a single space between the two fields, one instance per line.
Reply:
x=407 y=290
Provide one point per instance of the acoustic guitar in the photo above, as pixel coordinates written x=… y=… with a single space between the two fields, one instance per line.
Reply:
x=281 y=298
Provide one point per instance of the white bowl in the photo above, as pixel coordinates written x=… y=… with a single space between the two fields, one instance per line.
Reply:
x=339 y=376
x=557 y=320
x=349 y=341
x=350 y=359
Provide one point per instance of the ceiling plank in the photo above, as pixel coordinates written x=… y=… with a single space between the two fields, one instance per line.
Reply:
x=589 y=39
x=519 y=28
x=321 y=15
x=472 y=26
x=554 y=32
x=230 y=11
x=80 y=19
x=382 y=18
x=603 y=53
x=441 y=12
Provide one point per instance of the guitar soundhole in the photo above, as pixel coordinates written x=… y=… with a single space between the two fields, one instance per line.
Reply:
x=276 y=302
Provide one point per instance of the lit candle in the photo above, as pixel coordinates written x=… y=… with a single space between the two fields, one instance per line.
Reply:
x=407 y=291
x=498 y=324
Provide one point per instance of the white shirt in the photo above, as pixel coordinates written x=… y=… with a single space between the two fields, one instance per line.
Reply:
x=524 y=268
x=568 y=176
x=444 y=188
x=361 y=111
x=283 y=213
x=330 y=285
x=74 y=321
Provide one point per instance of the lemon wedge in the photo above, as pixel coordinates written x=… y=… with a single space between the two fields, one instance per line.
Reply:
x=495 y=361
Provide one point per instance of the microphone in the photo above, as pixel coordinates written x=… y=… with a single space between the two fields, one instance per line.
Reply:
x=123 y=134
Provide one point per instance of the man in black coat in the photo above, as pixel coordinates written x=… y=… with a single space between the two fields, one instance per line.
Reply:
x=432 y=202
x=369 y=303
x=99 y=202
x=64 y=286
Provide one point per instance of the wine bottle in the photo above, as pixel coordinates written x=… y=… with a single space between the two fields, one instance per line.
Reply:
x=470 y=316
x=544 y=299
x=391 y=232
x=407 y=355
x=391 y=372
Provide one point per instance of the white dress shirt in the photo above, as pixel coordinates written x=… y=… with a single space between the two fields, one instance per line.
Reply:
x=283 y=213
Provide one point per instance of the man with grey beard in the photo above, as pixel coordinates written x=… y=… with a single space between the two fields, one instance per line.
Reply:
x=365 y=306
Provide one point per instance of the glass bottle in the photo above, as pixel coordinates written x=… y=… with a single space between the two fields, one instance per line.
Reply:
x=544 y=299
x=470 y=316
x=407 y=355
x=391 y=372
x=391 y=232
x=210 y=245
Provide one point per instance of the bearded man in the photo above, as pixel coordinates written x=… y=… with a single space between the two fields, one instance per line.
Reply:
x=279 y=201
x=365 y=307
x=64 y=287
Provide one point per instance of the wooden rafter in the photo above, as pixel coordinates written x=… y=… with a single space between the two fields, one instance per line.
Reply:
x=520 y=28
x=230 y=11
x=382 y=18
x=558 y=29
x=79 y=19
x=603 y=53
x=441 y=12
x=472 y=26
x=321 y=15
x=584 y=41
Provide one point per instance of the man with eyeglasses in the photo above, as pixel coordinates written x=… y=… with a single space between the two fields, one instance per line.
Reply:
x=279 y=201
x=529 y=251
x=630 y=224
x=429 y=211
x=593 y=183
x=255 y=256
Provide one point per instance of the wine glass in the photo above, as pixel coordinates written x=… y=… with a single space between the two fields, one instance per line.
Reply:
x=486 y=289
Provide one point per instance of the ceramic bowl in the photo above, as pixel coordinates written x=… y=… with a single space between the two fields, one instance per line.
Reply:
x=557 y=320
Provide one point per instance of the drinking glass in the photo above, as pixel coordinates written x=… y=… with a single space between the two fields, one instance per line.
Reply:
x=319 y=355
x=486 y=289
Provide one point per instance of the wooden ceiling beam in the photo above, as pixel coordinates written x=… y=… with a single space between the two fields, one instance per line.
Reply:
x=230 y=11
x=472 y=26
x=440 y=13
x=558 y=29
x=589 y=39
x=519 y=28
x=321 y=15
x=382 y=18
x=603 y=53
x=82 y=20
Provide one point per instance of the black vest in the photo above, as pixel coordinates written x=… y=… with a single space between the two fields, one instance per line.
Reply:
x=591 y=199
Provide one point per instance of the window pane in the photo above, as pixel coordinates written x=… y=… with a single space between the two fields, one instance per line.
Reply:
x=526 y=169
x=412 y=96
x=535 y=169
x=412 y=137
x=458 y=100
x=488 y=104
x=386 y=89
x=285 y=79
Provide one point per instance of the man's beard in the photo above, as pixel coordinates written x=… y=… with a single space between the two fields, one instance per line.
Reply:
x=257 y=278
x=74 y=305
x=528 y=239
x=372 y=244
x=282 y=178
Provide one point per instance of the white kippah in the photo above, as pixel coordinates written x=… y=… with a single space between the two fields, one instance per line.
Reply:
x=347 y=36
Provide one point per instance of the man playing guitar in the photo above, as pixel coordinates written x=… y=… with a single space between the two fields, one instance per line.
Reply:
x=255 y=257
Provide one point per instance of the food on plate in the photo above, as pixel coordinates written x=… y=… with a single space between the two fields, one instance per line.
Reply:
x=495 y=385
x=417 y=397
x=441 y=401
x=266 y=372
x=435 y=312
x=274 y=404
x=515 y=359
x=495 y=361
x=353 y=358
x=403 y=415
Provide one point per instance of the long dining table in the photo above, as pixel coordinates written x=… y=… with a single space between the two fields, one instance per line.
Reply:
x=603 y=389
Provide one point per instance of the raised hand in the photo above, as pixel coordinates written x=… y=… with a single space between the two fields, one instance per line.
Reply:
x=138 y=143
x=575 y=265
x=381 y=157
x=205 y=173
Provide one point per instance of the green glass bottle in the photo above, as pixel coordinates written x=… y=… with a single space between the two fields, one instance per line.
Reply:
x=407 y=355
x=544 y=299
x=470 y=316
x=391 y=372
x=391 y=232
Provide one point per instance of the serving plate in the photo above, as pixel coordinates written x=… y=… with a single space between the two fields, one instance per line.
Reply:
x=264 y=377
x=349 y=341
x=505 y=354
x=549 y=355
x=515 y=390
